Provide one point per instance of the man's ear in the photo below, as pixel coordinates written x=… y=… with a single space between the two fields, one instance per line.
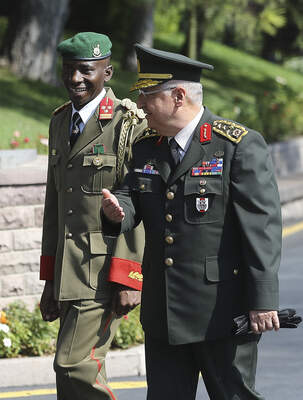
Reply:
x=179 y=95
x=108 y=73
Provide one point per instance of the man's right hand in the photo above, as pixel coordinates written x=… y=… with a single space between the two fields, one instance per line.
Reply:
x=48 y=305
x=111 y=207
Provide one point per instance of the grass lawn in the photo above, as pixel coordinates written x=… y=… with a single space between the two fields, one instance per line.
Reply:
x=230 y=90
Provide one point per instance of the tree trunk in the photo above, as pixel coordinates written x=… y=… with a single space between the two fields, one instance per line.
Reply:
x=33 y=33
x=141 y=31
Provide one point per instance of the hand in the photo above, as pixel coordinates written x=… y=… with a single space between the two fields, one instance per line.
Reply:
x=48 y=305
x=262 y=321
x=111 y=207
x=125 y=299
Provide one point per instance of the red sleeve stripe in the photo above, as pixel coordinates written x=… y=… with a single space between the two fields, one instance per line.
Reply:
x=47 y=266
x=126 y=272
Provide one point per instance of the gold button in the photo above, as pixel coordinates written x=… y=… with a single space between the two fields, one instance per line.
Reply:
x=202 y=191
x=202 y=182
x=169 y=261
x=69 y=212
x=69 y=166
x=97 y=161
x=69 y=190
x=169 y=239
x=168 y=217
x=170 y=195
x=235 y=271
x=142 y=187
x=69 y=235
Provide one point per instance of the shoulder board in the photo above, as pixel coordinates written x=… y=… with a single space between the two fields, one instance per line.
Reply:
x=61 y=108
x=231 y=130
x=131 y=106
x=147 y=134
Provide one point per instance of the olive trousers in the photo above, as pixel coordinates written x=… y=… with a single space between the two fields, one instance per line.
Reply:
x=228 y=368
x=87 y=328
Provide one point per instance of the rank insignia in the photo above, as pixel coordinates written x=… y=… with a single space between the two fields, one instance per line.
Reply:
x=202 y=204
x=147 y=169
x=106 y=108
x=230 y=130
x=205 y=133
x=212 y=167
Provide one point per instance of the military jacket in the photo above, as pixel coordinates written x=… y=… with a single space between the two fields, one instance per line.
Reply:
x=213 y=230
x=74 y=252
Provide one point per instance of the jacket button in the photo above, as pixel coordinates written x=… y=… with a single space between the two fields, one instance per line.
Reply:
x=168 y=217
x=169 y=261
x=202 y=191
x=142 y=187
x=69 y=190
x=69 y=166
x=170 y=195
x=235 y=271
x=169 y=239
x=69 y=212
x=69 y=235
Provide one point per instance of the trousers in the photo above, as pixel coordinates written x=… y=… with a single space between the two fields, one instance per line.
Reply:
x=87 y=328
x=228 y=369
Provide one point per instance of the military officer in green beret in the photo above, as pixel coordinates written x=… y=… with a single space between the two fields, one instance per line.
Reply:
x=91 y=281
x=205 y=189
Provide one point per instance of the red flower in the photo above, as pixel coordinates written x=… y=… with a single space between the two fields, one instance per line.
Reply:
x=14 y=143
x=26 y=140
x=125 y=316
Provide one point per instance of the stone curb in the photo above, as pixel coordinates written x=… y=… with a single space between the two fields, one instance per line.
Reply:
x=31 y=371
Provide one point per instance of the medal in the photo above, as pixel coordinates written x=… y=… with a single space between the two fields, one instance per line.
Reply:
x=202 y=204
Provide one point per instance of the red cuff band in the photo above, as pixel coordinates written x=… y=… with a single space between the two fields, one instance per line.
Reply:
x=47 y=266
x=126 y=272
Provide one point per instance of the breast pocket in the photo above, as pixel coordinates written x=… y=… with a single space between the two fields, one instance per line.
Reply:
x=99 y=172
x=55 y=165
x=203 y=204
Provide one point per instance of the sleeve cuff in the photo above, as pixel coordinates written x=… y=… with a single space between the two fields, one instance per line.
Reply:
x=126 y=272
x=47 y=266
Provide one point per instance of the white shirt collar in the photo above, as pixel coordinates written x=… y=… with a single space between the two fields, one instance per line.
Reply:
x=183 y=137
x=87 y=111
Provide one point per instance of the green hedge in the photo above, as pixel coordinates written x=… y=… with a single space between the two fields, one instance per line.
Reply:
x=24 y=333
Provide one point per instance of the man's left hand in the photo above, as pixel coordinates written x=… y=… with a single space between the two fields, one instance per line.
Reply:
x=262 y=321
x=125 y=299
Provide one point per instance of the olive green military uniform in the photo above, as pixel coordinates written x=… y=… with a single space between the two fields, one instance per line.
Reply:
x=214 y=255
x=75 y=254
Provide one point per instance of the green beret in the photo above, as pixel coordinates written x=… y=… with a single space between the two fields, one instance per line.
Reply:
x=157 y=66
x=86 y=46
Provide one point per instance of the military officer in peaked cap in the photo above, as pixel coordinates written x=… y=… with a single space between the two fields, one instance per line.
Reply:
x=205 y=189
x=91 y=281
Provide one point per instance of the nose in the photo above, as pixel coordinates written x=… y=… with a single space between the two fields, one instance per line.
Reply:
x=140 y=101
x=76 y=76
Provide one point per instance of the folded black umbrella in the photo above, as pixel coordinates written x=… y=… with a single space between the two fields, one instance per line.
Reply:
x=287 y=318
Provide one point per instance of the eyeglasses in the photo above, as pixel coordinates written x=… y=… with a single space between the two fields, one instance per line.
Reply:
x=145 y=93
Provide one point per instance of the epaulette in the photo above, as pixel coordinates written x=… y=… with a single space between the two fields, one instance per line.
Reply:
x=61 y=108
x=230 y=130
x=147 y=134
x=131 y=106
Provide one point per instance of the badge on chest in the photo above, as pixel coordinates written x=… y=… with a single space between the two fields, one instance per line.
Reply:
x=202 y=204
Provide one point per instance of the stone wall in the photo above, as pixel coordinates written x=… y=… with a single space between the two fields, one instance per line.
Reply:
x=21 y=214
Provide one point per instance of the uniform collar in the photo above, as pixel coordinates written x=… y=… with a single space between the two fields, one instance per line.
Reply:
x=87 y=111
x=183 y=137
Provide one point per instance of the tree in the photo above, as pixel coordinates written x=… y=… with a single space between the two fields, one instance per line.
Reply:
x=34 y=30
x=141 y=30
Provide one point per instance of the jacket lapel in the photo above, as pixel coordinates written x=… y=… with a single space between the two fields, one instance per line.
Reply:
x=163 y=157
x=195 y=152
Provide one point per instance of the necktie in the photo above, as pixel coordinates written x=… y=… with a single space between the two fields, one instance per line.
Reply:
x=76 y=121
x=174 y=149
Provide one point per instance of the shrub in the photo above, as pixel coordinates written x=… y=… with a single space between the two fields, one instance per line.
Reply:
x=24 y=333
